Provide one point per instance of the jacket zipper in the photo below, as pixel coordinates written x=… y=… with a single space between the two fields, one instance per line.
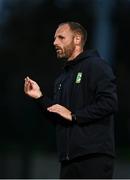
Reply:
x=67 y=144
x=67 y=129
x=59 y=88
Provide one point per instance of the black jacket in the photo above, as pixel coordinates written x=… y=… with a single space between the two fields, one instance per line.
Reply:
x=87 y=88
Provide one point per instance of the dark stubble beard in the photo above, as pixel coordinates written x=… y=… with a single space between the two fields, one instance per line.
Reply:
x=66 y=52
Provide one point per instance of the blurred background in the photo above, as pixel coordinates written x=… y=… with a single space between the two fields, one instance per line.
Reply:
x=27 y=27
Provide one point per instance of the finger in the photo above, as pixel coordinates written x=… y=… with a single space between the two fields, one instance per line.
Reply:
x=31 y=81
x=52 y=109
x=27 y=85
x=27 y=78
x=55 y=107
x=55 y=110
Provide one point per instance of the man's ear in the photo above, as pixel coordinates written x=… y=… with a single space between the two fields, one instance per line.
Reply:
x=77 y=39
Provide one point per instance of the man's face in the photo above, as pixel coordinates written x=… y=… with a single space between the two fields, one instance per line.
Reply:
x=64 y=42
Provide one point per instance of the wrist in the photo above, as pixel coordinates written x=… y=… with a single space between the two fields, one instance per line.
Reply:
x=39 y=95
x=74 y=118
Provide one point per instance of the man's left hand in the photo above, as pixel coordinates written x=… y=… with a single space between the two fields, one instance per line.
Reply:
x=61 y=110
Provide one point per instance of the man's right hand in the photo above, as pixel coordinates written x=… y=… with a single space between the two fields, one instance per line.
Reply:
x=32 y=89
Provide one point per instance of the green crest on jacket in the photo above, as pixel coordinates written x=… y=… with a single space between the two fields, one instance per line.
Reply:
x=78 y=78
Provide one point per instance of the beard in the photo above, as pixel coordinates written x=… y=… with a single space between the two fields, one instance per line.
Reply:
x=65 y=52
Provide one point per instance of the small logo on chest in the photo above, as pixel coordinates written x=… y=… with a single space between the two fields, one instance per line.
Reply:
x=78 y=77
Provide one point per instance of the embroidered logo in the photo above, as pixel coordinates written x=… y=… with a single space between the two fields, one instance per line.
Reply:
x=78 y=78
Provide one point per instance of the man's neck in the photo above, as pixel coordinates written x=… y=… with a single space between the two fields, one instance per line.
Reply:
x=75 y=54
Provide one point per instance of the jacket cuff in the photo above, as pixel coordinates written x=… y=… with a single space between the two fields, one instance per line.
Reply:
x=44 y=102
x=74 y=118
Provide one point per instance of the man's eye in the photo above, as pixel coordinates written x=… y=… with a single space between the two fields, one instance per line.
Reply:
x=61 y=37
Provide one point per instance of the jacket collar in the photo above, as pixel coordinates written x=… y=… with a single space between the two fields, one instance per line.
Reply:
x=83 y=56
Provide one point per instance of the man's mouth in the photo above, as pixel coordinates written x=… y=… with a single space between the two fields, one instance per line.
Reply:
x=58 y=49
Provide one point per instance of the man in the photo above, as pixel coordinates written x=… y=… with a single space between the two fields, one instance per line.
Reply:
x=83 y=106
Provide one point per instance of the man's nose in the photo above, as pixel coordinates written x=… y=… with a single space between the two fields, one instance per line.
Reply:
x=56 y=42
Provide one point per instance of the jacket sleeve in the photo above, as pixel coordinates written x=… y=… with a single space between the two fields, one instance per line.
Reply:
x=105 y=100
x=44 y=102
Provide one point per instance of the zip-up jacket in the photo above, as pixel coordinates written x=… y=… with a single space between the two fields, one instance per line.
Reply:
x=87 y=87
